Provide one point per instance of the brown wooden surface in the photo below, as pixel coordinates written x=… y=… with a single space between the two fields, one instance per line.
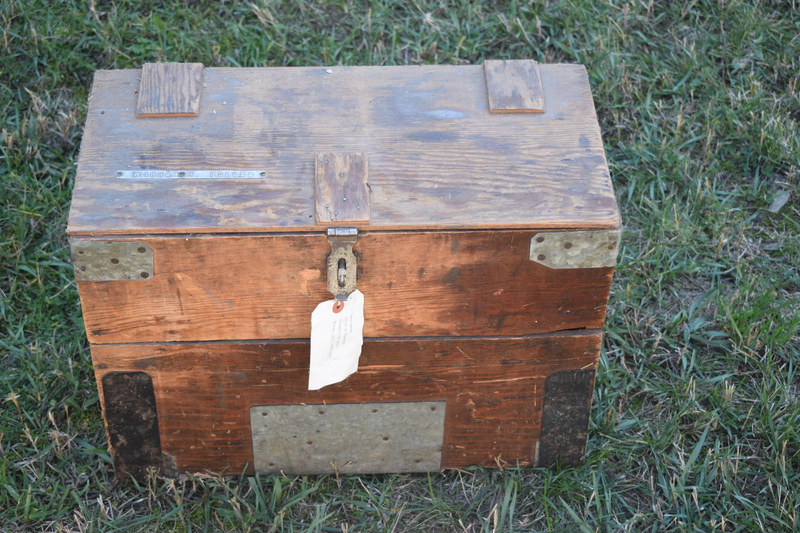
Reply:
x=437 y=157
x=493 y=388
x=169 y=90
x=414 y=284
x=514 y=86
x=340 y=188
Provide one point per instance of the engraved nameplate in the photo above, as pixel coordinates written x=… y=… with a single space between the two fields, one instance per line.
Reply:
x=192 y=174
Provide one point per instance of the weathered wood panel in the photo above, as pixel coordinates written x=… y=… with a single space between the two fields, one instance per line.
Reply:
x=169 y=90
x=340 y=188
x=493 y=388
x=514 y=86
x=415 y=284
x=437 y=157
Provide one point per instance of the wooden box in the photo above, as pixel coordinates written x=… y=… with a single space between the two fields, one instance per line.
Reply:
x=475 y=210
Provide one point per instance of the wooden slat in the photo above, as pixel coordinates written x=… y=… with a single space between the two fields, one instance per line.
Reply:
x=340 y=186
x=493 y=388
x=169 y=90
x=414 y=284
x=514 y=86
x=437 y=158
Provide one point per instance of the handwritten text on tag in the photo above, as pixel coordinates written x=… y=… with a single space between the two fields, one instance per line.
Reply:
x=337 y=334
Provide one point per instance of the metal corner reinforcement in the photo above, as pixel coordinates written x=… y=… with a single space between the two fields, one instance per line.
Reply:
x=576 y=249
x=111 y=260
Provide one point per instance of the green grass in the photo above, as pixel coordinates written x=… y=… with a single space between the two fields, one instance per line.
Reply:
x=696 y=421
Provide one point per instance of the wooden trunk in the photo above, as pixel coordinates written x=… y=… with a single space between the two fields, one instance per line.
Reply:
x=476 y=213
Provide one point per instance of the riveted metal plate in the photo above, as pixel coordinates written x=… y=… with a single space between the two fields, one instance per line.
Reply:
x=155 y=174
x=348 y=438
x=111 y=260
x=576 y=249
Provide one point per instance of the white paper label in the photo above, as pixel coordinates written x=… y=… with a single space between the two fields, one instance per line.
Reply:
x=337 y=334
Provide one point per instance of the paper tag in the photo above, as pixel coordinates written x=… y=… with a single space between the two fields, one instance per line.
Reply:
x=337 y=333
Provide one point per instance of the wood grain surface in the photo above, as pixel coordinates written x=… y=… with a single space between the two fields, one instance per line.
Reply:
x=340 y=188
x=514 y=86
x=169 y=90
x=438 y=159
x=493 y=388
x=414 y=284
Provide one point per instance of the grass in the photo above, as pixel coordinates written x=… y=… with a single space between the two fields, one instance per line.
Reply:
x=696 y=420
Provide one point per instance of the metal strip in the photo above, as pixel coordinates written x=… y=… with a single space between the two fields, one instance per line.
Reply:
x=576 y=249
x=129 y=403
x=566 y=410
x=192 y=174
x=348 y=438
x=111 y=260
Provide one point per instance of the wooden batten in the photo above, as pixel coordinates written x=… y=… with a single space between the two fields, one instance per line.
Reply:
x=169 y=90
x=514 y=86
x=340 y=186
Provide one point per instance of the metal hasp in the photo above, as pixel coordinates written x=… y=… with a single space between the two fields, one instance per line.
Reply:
x=348 y=438
x=576 y=249
x=111 y=260
x=342 y=262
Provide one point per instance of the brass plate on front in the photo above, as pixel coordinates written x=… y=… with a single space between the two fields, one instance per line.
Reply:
x=111 y=260
x=348 y=438
x=576 y=249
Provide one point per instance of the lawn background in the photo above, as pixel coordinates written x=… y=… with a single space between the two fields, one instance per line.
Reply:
x=696 y=420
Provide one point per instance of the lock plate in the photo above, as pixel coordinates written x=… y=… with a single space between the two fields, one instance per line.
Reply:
x=342 y=262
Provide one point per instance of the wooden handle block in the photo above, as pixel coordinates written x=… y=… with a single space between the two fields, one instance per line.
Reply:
x=514 y=86
x=169 y=90
x=340 y=184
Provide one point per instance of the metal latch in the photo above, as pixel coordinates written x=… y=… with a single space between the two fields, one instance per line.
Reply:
x=342 y=262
